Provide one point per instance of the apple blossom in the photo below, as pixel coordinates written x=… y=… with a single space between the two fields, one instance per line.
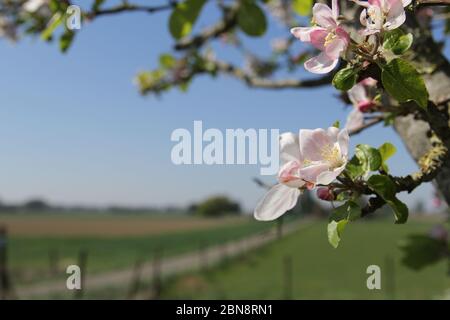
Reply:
x=314 y=157
x=327 y=36
x=361 y=101
x=324 y=154
x=284 y=195
x=359 y=97
x=381 y=15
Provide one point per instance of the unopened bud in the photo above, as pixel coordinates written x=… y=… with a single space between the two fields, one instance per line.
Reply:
x=325 y=194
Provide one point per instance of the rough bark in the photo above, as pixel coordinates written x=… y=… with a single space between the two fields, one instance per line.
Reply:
x=416 y=133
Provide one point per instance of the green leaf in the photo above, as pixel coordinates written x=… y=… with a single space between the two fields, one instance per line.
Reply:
x=335 y=230
x=66 y=40
x=167 y=61
x=345 y=78
x=53 y=24
x=382 y=185
x=385 y=188
x=400 y=210
x=343 y=196
x=369 y=158
x=184 y=16
x=354 y=168
x=348 y=211
x=302 y=7
x=184 y=86
x=337 y=124
x=386 y=150
x=251 y=19
x=397 y=41
x=97 y=4
x=402 y=81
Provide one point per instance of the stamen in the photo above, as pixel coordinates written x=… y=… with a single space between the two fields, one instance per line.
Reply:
x=332 y=155
x=329 y=38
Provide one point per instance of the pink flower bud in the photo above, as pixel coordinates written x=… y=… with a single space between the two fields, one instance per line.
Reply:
x=325 y=194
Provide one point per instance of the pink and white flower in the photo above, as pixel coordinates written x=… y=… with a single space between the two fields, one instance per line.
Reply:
x=359 y=97
x=327 y=36
x=381 y=15
x=314 y=157
x=324 y=154
x=361 y=101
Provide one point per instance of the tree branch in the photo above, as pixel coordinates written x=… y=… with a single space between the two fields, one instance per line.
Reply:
x=366 y=125
x=126 y=7
x=257 y=82
x=432 y=2
x=223 y=26
x=430 y=165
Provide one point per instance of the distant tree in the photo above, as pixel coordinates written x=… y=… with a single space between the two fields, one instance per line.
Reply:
x=218 y=206
x=36 y=205
x=192 y=208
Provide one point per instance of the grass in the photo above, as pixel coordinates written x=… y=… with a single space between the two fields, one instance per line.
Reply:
x=318 y=270
x=29 y=256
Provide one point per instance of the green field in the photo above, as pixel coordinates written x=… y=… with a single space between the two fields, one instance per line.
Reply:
x=30 y=256
x=318 y=270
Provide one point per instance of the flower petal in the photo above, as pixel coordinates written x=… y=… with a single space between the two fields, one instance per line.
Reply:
x=327 y=177
x=276 y=202
x=289 y=148
x=357 y=94
x=312 y=143
x=323 y=15
x=321 y=64
x=289 y=175
x=303 y=33
x=334 y=49
x=355 y=120
x=363 y=17
x=310 y=173
x=343 y=140
x=318 y=38
x=333 y=134
x=396 y=16
x=406 y=3
x=335 y=9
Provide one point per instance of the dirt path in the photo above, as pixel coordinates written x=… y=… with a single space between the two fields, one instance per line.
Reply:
x=169 y=266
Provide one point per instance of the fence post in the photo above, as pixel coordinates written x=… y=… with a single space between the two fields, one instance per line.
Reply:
x=390 y=277
x=82 y=263
x=53 y=262
x=279 y=228
x=287 y=277
x=135 y=279
x=5 y=280
x=156 y=285
x=203 y=255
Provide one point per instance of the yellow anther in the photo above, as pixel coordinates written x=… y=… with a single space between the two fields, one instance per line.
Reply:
x=329 y=38
x=332 y=155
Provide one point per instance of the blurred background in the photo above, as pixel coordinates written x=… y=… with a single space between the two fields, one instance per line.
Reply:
x=86 y=178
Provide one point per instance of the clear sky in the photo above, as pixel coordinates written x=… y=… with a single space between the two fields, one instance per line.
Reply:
x=74 y=129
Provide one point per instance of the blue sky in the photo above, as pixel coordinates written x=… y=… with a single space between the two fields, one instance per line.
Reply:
x=74 y=129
